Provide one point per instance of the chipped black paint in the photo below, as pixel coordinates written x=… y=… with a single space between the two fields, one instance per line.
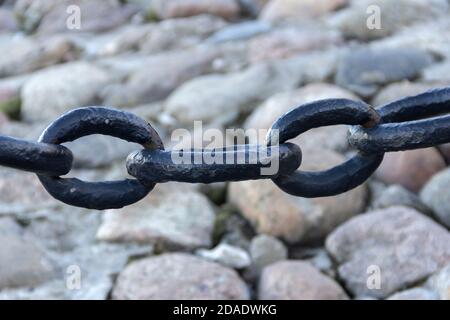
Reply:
x=85 y=121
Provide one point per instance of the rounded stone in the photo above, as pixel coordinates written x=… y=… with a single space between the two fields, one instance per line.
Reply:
x=178 y=276
x=435 y=194
x=411 y=169
x=297 y=280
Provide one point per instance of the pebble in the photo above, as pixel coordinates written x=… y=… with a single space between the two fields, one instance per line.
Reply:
x=55 y=90
x=277 y=10
x=265 y=250
x=396 y=195
x=186 y=277
x=22 y=262
x=174 y=68
x=33 y=54
x=296 y=219
x=331 y=137
x=288 y=42
x=353 y=20
x=440 y=283
x=173 y=216
x=219 y=99
x=363 y=71
x=97 y=16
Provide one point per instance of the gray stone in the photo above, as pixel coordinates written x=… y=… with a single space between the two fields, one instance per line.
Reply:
x=403 y=89
x=353 y=20
x=31 y=12
x=435 y=196
x=169 y=70
x=439 y=283
x=174 y=216
x=7 y=21
x=432 y=36
x=232 y=228
x=396 y=195
x=166 y=9
x=22 y=193
x=23 y=263
x=437 y=72
x=364 y=70
x=323 y=262
x=185 y=277
x=97 y=266
x=288 y=42
x=405 y=245
x=107 y=150
x=228 y=255
x=8 y=226
x=294 y=10
x=51 y=92
x=414 y=294
x=63 y=229
x=330 y=137
x=411 y=169
x=252 y=7
x=180 y=33
x=33 y=54
x=240 y=31
x=265 y=250
x=297 y=280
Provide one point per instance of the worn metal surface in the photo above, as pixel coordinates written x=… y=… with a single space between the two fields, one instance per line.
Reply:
x=35 y=157
x=408 y=123
x=236 y=163
x=321 y=113
x=92 y=120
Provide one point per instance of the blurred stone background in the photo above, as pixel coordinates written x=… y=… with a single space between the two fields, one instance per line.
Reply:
x=231 y=64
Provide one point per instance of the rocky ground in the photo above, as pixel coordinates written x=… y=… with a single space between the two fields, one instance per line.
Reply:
x=228 y=63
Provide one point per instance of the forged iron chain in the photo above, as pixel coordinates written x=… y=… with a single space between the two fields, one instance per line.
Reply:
x=409 y=123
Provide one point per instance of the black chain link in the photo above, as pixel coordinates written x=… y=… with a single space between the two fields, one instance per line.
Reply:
x=409 y=123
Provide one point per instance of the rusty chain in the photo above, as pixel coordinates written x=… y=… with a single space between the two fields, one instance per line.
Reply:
x=409 y=123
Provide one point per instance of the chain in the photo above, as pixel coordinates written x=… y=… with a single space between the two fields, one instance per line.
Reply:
x=409 y=123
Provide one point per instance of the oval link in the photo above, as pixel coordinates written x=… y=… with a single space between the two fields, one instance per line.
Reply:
x=42 y=158
x=341 y=178
x=91 y=120
x=235 y=163
x=403 y=126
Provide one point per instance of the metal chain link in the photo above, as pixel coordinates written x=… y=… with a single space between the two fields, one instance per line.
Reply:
x=409 y=123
